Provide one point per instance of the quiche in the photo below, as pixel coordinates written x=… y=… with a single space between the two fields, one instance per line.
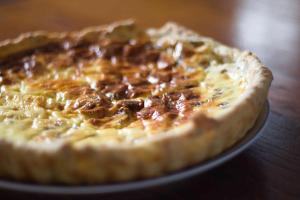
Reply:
x=118 y=103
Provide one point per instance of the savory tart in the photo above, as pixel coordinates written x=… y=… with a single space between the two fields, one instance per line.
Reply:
x=116 y=102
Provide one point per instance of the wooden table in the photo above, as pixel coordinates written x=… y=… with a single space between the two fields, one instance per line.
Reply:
x=269 y=169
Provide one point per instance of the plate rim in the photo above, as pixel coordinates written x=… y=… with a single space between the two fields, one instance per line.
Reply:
x=252 y=135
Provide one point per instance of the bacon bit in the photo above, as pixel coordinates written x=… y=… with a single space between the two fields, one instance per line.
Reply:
x=181 y=83
x=140 y=53
x=83 y=54
x=151 y=112
x=139 y=91
x=132 y=105
x=91 y=101
x=117 y=92
x=131 y=53
x=99 y=122
x=95 y=121
x=110 y=49
x=92 y=105
x=98 y=112
x=170 y=103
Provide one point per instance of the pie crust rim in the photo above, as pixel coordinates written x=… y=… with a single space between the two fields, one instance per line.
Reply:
x=200 y=139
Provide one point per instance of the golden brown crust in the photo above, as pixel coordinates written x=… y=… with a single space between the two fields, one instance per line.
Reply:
x=199 y=139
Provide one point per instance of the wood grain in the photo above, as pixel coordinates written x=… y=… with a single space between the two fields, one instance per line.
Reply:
x=270 y=169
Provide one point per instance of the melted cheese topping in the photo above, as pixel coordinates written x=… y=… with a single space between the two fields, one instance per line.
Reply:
x=111 y=93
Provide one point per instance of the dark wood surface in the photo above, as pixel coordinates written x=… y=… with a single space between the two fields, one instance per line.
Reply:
x=269 y=169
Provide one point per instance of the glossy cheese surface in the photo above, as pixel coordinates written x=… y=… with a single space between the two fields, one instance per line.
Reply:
x=111 y=92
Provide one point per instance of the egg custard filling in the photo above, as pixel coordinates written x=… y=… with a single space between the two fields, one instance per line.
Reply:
x=111 y=91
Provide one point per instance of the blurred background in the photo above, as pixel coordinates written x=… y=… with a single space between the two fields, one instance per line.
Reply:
x=269 y=28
